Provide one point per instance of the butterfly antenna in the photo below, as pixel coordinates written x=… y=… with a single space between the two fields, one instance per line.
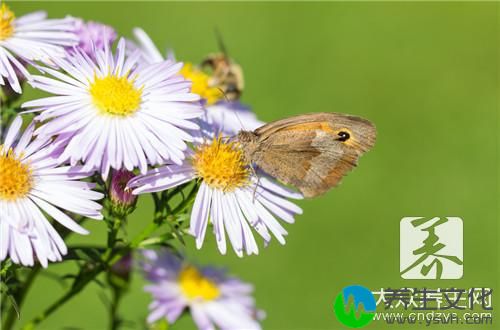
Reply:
x=257 y=184
x=234 y=111
x=239 y=119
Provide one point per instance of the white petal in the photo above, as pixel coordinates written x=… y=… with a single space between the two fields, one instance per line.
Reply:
x=62 y=218
x=13 y=132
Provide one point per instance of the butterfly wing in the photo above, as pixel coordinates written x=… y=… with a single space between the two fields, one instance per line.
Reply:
x=310 y=151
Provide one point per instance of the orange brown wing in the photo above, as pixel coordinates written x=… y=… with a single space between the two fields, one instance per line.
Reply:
x=307 y=152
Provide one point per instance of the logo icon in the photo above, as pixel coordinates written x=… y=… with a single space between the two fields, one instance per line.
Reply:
x=431 y=248
x=355 y=306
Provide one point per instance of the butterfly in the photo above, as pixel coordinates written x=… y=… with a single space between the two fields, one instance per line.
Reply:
x=312 y=151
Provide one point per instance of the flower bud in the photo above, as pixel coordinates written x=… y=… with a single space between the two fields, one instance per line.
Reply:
x=122 y=199
x=123 y=267
x=119 y=274
x=92 y=35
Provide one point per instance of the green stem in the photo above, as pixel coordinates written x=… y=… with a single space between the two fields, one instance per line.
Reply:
x=76 y=288
x=111 y=256
x=12 y=314
x=114 y=227
x=187 y=201
x=109 y=260
x=114 y=319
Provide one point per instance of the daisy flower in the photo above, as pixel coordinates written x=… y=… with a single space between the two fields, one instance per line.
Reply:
x=114 y=114
x=201 y=85
x=32 y=184
x=31 y=37
x=151 y=54
x=214 y=299
x=230 y=196
x=143 y=43
x=226 y=118
x=92 y=35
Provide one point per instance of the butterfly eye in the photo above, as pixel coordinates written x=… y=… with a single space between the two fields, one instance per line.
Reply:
x=343 y=136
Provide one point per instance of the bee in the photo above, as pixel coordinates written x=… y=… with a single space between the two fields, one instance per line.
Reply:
x=225 y=73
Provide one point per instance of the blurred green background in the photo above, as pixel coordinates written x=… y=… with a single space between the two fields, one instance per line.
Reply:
x=425 y=73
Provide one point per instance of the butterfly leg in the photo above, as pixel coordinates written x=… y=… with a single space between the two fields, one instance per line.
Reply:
x=258 y=182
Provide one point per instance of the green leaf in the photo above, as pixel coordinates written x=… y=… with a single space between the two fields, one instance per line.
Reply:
x=5 y=267
x=14 y=304
x=85 y=253
x=160 y=325
x=157 y=240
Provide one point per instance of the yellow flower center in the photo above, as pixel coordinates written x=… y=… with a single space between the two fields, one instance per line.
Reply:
x=15 y=177
x=6 y=22
x=195 y=285
x=200 y=84
x=221 y=165
x=115 y=95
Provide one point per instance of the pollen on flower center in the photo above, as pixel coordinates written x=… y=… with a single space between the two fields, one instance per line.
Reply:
x=15 y=177
x=200 y=84
x=6 y=22
x=194 y=285
x=221 y=165
x=115 y=95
